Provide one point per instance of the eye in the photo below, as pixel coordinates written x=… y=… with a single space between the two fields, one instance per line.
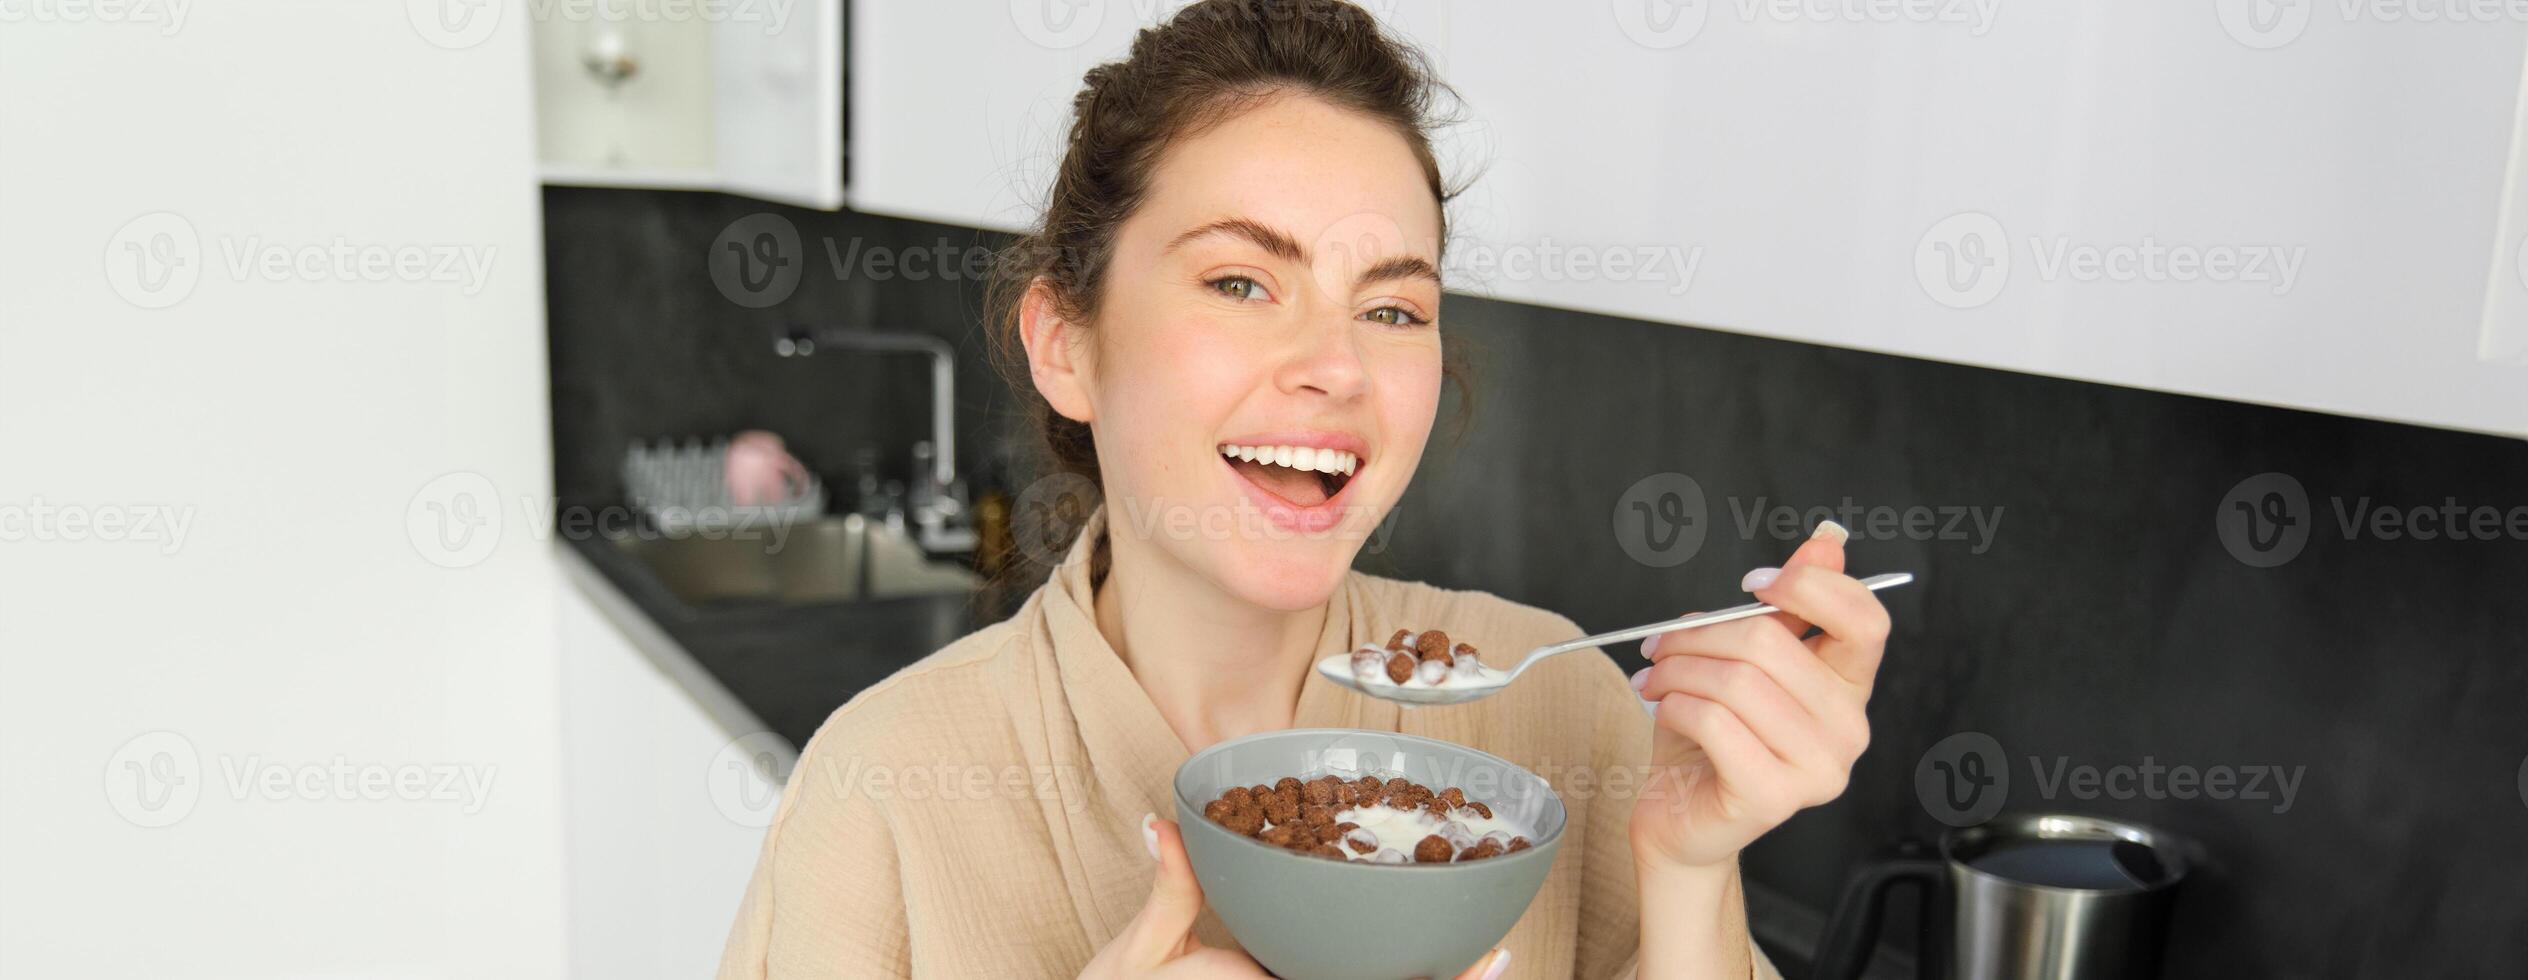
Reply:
x=1395 y=316
x=1239 y=288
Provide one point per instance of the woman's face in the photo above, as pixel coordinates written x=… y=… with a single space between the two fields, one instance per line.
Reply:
x=1277 y=296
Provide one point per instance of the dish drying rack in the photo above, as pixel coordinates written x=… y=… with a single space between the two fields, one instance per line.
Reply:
x=683 y=489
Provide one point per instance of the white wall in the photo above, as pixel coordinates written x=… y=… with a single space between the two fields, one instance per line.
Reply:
x=289 y=423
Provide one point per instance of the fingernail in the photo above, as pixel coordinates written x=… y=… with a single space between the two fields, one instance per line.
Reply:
x=1150 y=834
x=1650 y=647
x=1831 y=531
x=1641 y=677
x=1759 y=579
x=1500 y=965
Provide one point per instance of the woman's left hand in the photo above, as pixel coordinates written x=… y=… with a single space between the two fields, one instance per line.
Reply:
x=1757 y=720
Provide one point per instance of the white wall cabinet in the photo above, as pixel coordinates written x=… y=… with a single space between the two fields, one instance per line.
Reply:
x=2298 y=205
x=744 y=98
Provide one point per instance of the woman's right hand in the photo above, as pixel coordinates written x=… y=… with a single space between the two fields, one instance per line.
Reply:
x=1160 y=941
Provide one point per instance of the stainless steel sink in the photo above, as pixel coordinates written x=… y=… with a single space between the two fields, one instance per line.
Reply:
x=830 y=559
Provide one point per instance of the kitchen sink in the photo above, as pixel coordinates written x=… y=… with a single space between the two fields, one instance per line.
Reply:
x=829 y=559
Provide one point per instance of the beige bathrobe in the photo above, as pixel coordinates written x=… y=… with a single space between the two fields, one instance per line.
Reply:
x=978 y=815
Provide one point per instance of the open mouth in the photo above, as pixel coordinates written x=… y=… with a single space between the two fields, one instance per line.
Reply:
x=1303 y=476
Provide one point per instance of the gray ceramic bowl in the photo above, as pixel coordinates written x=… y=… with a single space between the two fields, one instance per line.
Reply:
x=1314 y=918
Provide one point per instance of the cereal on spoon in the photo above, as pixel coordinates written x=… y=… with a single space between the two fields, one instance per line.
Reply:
x=1424 y=659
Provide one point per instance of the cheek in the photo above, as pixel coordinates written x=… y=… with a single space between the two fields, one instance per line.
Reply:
x=1409 y=383
x=1168 y=388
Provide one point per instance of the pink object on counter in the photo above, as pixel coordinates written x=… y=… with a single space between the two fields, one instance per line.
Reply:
x=760 y=470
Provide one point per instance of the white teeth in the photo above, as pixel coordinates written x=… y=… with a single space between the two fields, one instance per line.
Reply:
x=1297 y=457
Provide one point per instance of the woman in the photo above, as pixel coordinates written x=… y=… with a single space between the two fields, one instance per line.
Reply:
x=1242 y=250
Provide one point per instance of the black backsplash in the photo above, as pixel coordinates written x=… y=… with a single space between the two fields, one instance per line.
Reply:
x=2093 y=618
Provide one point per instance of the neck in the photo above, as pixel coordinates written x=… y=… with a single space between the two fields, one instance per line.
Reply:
x=1217 y=666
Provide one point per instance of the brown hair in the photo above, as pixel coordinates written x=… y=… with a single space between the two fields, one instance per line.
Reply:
x=1213 y=60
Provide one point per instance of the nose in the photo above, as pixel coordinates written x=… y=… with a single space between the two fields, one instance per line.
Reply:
x=1324 y=358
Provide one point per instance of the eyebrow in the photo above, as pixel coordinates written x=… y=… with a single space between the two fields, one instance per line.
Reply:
x=1281 y=246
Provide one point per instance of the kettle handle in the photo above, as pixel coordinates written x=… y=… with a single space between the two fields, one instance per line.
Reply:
x=1852 y=934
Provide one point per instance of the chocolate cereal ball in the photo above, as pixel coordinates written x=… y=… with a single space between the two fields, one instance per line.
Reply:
x=1432 y=645
x=1433 y=850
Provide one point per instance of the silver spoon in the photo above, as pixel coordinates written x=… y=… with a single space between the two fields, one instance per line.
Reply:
x=1490 y=681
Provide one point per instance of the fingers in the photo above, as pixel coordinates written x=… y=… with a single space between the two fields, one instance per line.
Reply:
x=1164 y=929
x=1787 y=729
x=1740 y=759
x=1823 y=549
x=1854 y=621
x=1490 y=967
x=1771 y=649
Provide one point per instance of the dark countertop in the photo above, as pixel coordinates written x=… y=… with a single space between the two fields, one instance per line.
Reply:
x=791 y=665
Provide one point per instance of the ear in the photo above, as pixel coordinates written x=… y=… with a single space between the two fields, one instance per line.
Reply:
x=1056 y=359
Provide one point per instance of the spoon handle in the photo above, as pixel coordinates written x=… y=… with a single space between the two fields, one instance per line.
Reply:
x=1732 y=614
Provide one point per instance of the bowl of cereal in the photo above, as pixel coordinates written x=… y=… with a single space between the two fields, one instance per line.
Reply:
x=1338 y=854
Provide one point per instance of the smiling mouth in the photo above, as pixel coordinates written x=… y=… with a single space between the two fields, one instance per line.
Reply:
x=1304 y=476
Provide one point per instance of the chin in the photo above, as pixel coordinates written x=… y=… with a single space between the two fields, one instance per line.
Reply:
x=1286 y=576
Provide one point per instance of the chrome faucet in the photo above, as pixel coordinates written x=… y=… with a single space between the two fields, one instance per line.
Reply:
x=938 y=501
